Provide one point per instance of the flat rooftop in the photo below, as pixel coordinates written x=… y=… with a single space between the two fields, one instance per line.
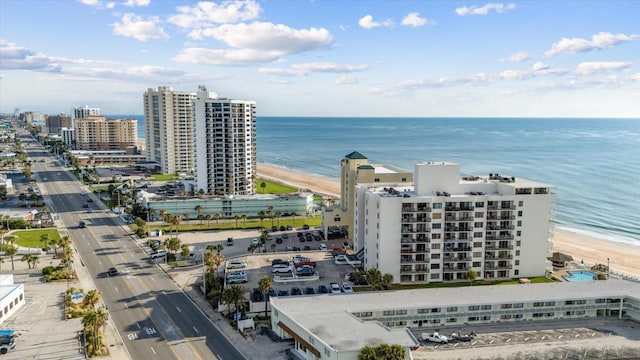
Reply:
x=330 y=316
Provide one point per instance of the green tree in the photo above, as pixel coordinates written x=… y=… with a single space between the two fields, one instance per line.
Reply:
x=368 y=353
x=471 y=276
x=92 y=298
x=387 y=280
x=198 y=209
x=374 y=279
x=172 y=243
x=265 y=284
x=263 y=185
x=27 y=258
x=184 y=250
x=237 y=217
x=262 y=215
x=234 y=294
x=11 y=251
x=44 y=238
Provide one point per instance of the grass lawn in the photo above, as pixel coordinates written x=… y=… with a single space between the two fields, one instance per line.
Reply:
x=31 y=238
x=273 y=187
x=535 y=280
x=164 y=177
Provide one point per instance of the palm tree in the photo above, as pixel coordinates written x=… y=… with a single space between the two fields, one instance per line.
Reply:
x=217 y=260
x=11 y=251
x=374 y=278
x=184 y=250
x=237 y=217
x=270 y=213
x=262 y=215
x=265 y=284
x=27 y=258
x=278 y=214
x=208 y=218
x=35 y=259
x=172 y=243
x=368 y=353
x=198 y=209
x=387 y=280
x=234 y=294
x=263 y=185
x=217 y=216
x=273 y=247
x=244 y=221
x=217 y=247
x=55 y=243
x=44 y=238
x=187 y=216
x=93 y=321
x=92 y=298
x=471 y=276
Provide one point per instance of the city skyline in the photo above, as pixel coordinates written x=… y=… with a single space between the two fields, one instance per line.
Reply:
x=327 y=58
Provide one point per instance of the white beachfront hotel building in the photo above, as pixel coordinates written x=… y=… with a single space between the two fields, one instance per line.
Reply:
x=441 y=226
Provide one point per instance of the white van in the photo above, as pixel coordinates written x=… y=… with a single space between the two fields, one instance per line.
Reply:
x=158 y=254
x=236 y=264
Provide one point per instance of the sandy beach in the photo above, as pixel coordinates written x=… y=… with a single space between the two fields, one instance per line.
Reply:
x=623 y=258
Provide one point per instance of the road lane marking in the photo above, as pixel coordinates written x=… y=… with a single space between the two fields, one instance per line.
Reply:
x=152 y=350
x=194 y=328
x=138 y=325
x=115 y=288
x=125 y=305
x=178 y=309
x=219 y=357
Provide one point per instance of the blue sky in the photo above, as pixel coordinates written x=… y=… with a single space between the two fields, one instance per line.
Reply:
x=327 y=57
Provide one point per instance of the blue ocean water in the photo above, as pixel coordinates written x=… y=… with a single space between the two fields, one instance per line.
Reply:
x=593 y=165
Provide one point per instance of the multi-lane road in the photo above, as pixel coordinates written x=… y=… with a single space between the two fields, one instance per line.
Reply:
x=152 y=315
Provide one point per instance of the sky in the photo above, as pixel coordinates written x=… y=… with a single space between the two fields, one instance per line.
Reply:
x=382 y=58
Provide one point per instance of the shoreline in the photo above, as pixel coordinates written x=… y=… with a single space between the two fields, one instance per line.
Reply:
x=623 y=257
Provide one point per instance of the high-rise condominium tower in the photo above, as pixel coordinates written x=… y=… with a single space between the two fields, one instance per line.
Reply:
x=225 y=143
x=169 y=129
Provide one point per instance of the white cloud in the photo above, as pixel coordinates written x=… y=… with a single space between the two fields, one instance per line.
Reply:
x=514 y=74
x=598 y=41
x=635 y=77
x=138 y=28
x=587 y=68
x=132 y=3
x=414 y=20
x=318 y=67
x=89 y=2
x=98 y=4
x=484 y=10
x=347 y=80
x=207 y=13
x=269 y=36
x=367 y=22
x=520 y=56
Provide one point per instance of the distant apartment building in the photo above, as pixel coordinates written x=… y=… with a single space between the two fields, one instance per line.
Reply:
x=354 y=169
x=55 y=123
x=225 y=136
x=68 y=136
x=96 y=133
x=169 y=129
x=84 y=112
x=441 y=226
x=33 y=119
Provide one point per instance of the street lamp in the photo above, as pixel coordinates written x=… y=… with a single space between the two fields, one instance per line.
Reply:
x=608 y=269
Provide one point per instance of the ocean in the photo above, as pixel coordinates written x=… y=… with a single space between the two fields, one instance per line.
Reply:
x=593 y=165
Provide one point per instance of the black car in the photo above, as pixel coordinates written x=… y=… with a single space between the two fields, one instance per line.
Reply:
x=296 y=291
x=112 y=271
x=85 y=205
x=309 y=291
x=278 y=240
x=360 y=280
x=283 y=292
x=307 y=248
x=283 y=228
x=256 y=295
x=305 y=226
x=296 y=248
x=322 y=289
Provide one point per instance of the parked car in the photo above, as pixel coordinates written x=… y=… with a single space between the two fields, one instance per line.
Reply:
x=346 y=288
x=236 y=264
x=360 y=280
x=309 y=291
x=283 y=292
x=85 y=205
x=322 y=246
x=305 y=263
x=236 y=274
x=305 y=226
x=279 y=261
x=322 y=289
x=255 y=241
x=282 y=270
x=306 y=248
x=296 y=291
x=89 y=200
x=237 y=280
x=305 y=271
x=435 y=337
x=82 y=224
x=335 y=288
x=230 y=241
x=158 y=254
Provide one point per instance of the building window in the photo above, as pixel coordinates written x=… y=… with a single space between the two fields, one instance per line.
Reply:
x=478 y=224
x=479 y=214
x=437 y=205
x=435 y=266
x=474 y=307
x=473 y=318
x=435 y=256
x=477 y=254
x=518 y=233
x=476 y=264
x=452 y=309
x=505 y=317
x=479 y=204
x=477 y=244
x=401 y=312
x=435 y=237
x=486 y=307
x=550 y=303
x=518 y=243
x=517 y=262
x=435 y=246
x=452 y=320
x=388 y=312
x=477 y=234
x=436 y=226
x=434 y=276
x=327 y=352
x=516 y=272
x=436 y=216
x=520 y=213
x=519 y=222
x=538 y=304
x=521 y=203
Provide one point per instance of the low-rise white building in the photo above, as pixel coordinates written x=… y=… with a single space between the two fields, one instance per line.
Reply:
x=11 y=297
x=339 y=326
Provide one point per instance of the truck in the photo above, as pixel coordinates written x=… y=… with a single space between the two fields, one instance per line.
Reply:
x=435 y=337
x=462 y=336
x=7 y=341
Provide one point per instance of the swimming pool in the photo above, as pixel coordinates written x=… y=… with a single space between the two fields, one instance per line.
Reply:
x=576 y=276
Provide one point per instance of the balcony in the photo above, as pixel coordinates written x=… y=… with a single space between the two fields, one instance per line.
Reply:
x=499 y=247
x=456 y=259
x=499 y=237
x=458 y=249
x=456 y=269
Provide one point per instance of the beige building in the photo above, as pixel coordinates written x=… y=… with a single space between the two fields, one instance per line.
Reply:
x=99 y=133
x=355 y=169
x=169 y=129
